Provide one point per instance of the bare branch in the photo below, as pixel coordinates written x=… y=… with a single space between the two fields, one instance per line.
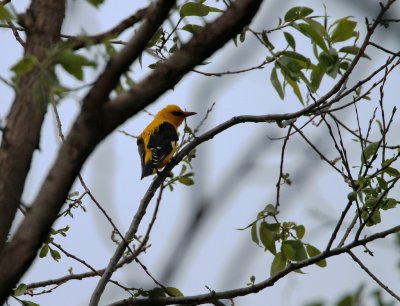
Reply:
x=396 y=54
x=278 y=183
x=16 y=34
x=80 y=42
x=219 y=74
x=372 y=275
x=212 y=296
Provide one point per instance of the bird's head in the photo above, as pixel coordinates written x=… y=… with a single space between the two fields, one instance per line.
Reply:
x=174 y=114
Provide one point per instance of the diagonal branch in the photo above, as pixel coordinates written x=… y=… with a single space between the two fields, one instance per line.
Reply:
x=372 y=275
x=98 y=119
x=119 y=64
x=86 y=134
x=229 y=294
x=80 y=42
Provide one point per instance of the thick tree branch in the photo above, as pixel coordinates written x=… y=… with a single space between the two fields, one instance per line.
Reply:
x=94 y=123
x=229 y=294
x=20 y=252
x=120 y=63
x=22 y=133
x=99 y=117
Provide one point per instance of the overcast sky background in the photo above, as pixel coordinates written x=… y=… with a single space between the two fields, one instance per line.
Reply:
x=236 y=173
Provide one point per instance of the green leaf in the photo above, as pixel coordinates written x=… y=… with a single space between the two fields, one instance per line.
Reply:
x=371 y=202
x=185 y=180
x=294 y=250
x=290 y=40
x=74 y=63
x=266 y=41
x=44 y=250
x=60 y=231
x=374 y=219
x=330 y=62
x=297 y=12
x=254 y=235
x=175 y=292
x=343 y=30
x=154 y=65
x=346 y=301
x=155 y=39
x=55 y=254
x=290 y=68
x=277 y=85
x=352 y=196
x=242 y=35
x=95 y=3
x=389 y=204
x=192 y=28
x=267 y=238
x=314 y=35
x=156 y=293
x=25 y=65
x=279 y=263
x=28 y=303
x=316 y=77
x=271 y=210
x=352 y=50
x=5 y=15
x=197 y=9
x=300 y=231
x=392 y=171
x=313 y=251
x=295 y=88
x=20 y=290
x=369 y=151
x=303 y=61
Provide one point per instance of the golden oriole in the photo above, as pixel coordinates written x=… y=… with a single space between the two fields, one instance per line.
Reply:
x=157 y=143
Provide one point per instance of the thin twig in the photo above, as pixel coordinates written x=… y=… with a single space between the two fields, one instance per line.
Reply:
x=372 y=275
x=219 y=74
x=338 y=225
x=384 y=49
x=318 y=151
x=278 y=183
x=68 y=254
x=80 y=42
x=209 y=110
x=16 y=34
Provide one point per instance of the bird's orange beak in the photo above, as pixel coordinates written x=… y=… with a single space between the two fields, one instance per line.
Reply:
x=187 y=114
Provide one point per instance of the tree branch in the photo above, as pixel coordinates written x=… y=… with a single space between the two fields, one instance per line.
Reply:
x=229 y=294
x=362 y=266
x=80 y=42
x=44 y=18
x=86 y=134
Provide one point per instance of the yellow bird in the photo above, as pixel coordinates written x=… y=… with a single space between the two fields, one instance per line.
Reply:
x=157 y=143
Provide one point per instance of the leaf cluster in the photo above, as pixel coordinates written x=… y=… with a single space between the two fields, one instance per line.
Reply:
x=47 y=249
x=282 y=239
x=333 y=47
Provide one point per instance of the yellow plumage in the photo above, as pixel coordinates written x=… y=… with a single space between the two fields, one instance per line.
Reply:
x=157 y=143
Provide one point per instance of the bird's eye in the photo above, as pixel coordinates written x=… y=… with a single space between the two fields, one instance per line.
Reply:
x=177 y=113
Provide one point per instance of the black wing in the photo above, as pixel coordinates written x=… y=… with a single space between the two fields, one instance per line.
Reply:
x=147 y=169
x=160 y=142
